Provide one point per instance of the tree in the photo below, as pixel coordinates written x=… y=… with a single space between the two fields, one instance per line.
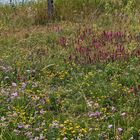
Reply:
x=50 y=8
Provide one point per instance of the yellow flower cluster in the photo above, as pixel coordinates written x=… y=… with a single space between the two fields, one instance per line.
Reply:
x=21 y=114
x=72 y=130
x=61 y=75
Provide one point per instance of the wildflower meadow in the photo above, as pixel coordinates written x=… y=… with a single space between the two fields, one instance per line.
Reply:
x=74 y=76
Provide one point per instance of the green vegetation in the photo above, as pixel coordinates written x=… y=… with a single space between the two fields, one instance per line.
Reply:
x=76 y=77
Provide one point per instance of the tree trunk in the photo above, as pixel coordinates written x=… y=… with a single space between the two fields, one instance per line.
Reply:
x=50 y=9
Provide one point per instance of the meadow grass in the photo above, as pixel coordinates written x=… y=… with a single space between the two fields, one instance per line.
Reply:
x=76 y=77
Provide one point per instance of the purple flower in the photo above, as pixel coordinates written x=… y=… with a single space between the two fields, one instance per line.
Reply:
x=23 y=85
x=96 y=114
x=123 y=114
x=13 y=95
x=120 y=130
x=110 y=126
x=20 y=126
